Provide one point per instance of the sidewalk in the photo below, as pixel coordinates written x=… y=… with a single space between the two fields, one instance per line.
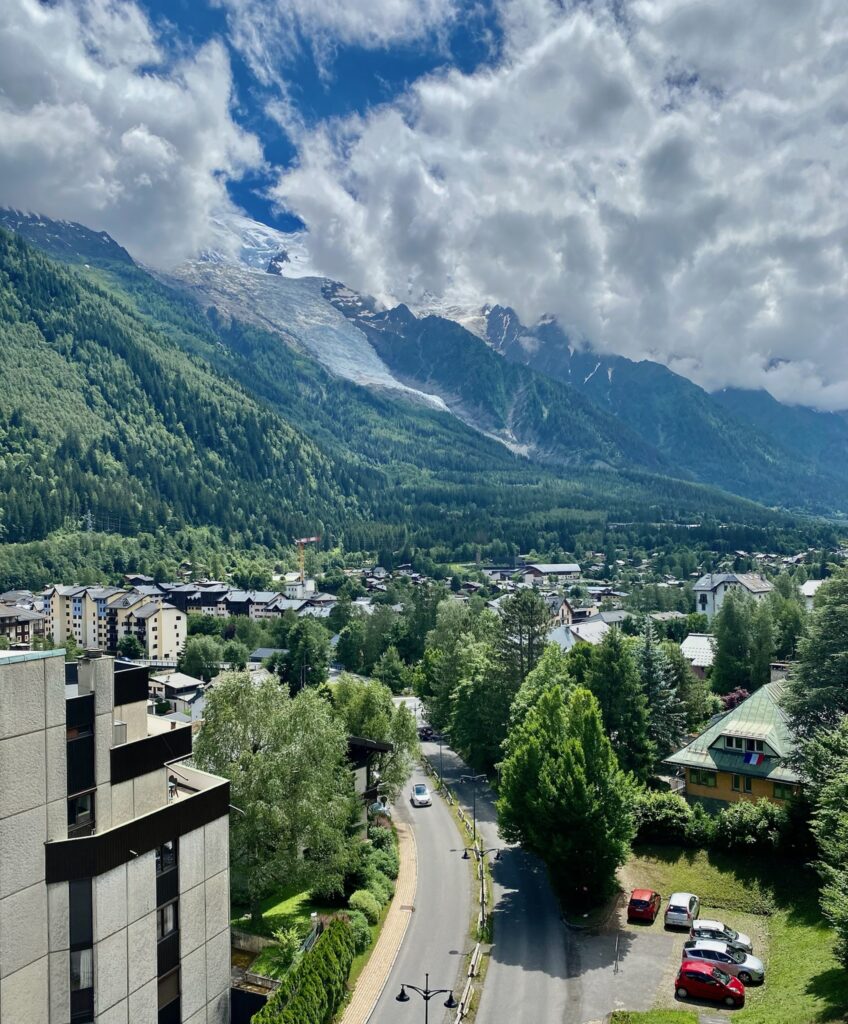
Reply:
x=376 y=972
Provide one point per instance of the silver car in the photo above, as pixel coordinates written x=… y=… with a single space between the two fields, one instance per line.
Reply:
x=718 y=931
x=741 y=965
x=682 y=910
x=420 y=795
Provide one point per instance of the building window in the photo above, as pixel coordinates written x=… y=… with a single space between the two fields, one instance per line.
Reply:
x=749 y=785
x=82 y=969
x=782 y=791
x=166 y=921
x=169 y=988
x=737 y=782
x=698 y=777
x=733 y=742
x=754 y=745
x=166 y=857
x=81 y=814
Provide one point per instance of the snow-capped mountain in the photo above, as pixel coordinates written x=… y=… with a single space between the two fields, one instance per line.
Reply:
x=241 y=240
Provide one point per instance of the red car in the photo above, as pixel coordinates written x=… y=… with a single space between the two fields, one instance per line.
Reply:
x=700 y=980
x=644 y=905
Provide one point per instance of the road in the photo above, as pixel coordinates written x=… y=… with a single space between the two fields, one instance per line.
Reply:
x=438 y=934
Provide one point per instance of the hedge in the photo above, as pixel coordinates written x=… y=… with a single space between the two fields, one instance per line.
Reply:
x=314 y=990
x=367 y=903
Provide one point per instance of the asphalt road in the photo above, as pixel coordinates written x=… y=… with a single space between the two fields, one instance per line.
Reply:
x=528 y=978
x=438 y=934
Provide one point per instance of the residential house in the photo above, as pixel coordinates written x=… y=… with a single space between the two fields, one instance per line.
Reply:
x=711 y=589
x=699 y=650
x=20 y=625
x=560 y=609
x=184 y=693
x=743 y=755
x=540 y=571
x=578 y=632
x=114 y=851
x=808 y=590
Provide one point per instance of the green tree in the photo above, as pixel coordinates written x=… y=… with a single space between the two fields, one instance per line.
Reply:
x=522 y=634
x=666 y=713
x=699 y=701
x=731 y=665
x=441 y=668
x=391 y=670
x=235 y=654
x=285 y=758
x=564 y=796
x=367 y=709
x=308 y=657
x=480 y=706
x=816 y=695
x=351 y=645
x=201 y=658
x=129 y=646
x=553 y=668
x=614 y=680
x=380 y=631
x=4 y=643
x=762 y=645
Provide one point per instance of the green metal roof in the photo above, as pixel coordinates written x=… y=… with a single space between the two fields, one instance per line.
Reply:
x=12 y=657
x=760 y=717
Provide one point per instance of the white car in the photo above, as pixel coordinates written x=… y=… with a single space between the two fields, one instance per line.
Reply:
x=683 y=908
x=741 y=965
x=420 y=795
x=718 y=931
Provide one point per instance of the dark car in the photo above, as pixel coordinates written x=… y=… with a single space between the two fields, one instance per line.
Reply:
x=425 y=732
x=699 y=980
x=644 y=905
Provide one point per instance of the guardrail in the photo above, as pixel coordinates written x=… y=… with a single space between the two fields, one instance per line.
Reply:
x=465 y=1002
x=474 y=964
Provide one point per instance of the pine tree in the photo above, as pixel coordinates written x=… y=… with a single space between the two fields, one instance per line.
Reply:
x=524 y=626
x=731 y=668
x=762 y=645
x=666 y=713
x=614 y=680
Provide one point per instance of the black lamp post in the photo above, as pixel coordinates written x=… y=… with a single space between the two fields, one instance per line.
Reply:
x=443 y=737
x=473 y=779
x=427 y=994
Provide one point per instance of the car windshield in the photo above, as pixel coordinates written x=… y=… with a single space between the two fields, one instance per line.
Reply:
x=721 y=975
x=420 y=790
x=678 y=910
x=730 y=933
x=639 y=904
x=737 y=958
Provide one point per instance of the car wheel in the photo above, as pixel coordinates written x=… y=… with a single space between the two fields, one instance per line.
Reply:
x=682 y=992
x=729 y=1001
x=744 y=977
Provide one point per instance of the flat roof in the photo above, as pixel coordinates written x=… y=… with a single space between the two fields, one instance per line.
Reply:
x=8 y=657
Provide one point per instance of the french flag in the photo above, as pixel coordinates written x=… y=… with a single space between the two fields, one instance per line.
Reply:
x=752 y=758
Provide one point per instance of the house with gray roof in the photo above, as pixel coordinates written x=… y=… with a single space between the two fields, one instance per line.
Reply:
x=712 y=588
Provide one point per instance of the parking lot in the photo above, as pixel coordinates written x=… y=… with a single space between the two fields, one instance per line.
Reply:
x=619 y=965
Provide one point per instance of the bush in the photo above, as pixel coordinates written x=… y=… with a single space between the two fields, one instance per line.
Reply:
x=701 y=827
x=365 y=902
x=662 y=817
x=754 y=828
x=385 y=861
x=380 y=887
x=360 y=929
x=314 y=990
x=382 y=836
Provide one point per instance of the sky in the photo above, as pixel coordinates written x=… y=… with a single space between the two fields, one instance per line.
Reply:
x=667 y=177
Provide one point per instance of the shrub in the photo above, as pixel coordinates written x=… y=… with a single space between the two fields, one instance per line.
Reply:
x=662 y=817
x=315 y=988
x=360 y=930
x=385 y=861
x=365 y=902
x=382 y=836
x=756 y=828
x=701 y=827
x=380 y=887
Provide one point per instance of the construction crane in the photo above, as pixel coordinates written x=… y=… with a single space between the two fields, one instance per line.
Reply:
x=301 y=547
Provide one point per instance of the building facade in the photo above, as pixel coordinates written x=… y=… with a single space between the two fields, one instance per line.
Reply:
x=114 y=854
x=711 y=589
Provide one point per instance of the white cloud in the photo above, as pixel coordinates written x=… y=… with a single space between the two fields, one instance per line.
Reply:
x=669 y=177
x=268 y=33
x=95 y=126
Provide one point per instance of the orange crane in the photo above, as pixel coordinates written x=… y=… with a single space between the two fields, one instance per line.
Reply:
x=301 y=545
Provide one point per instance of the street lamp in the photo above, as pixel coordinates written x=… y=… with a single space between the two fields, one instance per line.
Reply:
x=443 y=737
x=426 y=994
x=474 y=779
x=480 y=854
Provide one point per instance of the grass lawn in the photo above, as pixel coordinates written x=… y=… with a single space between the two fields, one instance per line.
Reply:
x=804 y=983
x=654 y=1017
x=283 y=909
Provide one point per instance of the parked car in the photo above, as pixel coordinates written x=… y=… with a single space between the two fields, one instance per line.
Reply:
x=741 y=965
x=420 y=795
x=720 y=932
x=425 y=732
x=644 y=905
x=683 y=908
x=700 y=980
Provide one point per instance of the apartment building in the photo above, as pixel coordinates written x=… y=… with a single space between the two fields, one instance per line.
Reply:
x=114 y=854
x=102 y=616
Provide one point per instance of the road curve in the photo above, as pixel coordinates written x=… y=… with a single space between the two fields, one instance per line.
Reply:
x=528 y=977
x=438 y=934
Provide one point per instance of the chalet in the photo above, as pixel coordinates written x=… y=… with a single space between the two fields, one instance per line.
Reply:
x=20 y=625
x=560 y=609
x=699 y=650
x=808 y=590
x=711 y=589
x=743 y=755
x=567 y=637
